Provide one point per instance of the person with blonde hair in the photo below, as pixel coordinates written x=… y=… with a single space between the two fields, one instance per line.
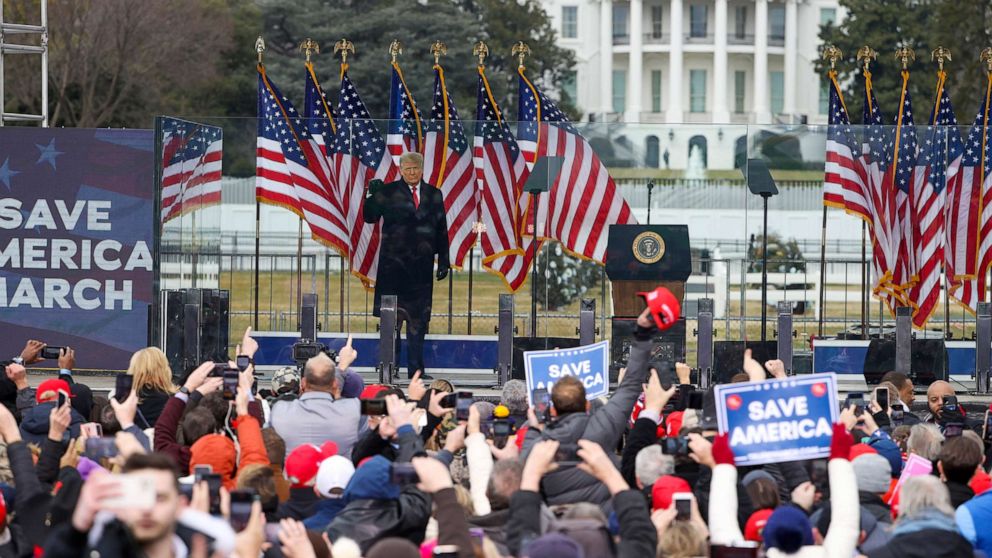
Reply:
x=152 y=382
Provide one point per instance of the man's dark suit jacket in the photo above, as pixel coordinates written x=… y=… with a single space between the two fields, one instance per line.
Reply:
x=410 y=240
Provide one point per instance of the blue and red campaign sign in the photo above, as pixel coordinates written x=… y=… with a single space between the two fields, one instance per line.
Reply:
x=589 y=363
x=77 y=223
x=778 y=420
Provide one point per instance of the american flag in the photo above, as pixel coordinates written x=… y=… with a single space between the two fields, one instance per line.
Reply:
x=583 y=202
x=320 y=202
x=938 y=159
x=845 y=181
x=969 y=212
x=359 y=155
x=901 y=179
x=448 y=165
x=405 y=130
x=280 y=166
x=500 y=174
x=875 y=155
x=191 y=166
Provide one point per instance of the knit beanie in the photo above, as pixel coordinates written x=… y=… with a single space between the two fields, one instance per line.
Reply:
x=873 y=473
x=788 y=529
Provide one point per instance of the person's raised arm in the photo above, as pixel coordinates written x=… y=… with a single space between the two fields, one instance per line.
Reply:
x=645 y=428
x=525 y=504
x=125 y=413
x=374 y=205
x=480 y=462
x=607 y=424
x=452 y=528
x=842 y=536
x=249 y=433
x=441 y=239
x=638 y=536
x=399 y=416
x=718 y=456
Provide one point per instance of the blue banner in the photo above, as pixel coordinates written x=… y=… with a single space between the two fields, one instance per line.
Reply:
x=778 y=420
x=589 y=363
x=77 y=247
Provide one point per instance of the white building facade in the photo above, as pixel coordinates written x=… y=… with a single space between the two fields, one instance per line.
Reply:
x=678 y=62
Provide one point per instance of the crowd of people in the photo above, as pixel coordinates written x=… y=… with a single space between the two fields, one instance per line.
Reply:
x=316 y=464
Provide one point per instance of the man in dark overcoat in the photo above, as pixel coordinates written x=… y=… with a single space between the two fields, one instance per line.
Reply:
x=414 y=231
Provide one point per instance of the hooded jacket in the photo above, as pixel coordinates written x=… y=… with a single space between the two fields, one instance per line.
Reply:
x=34 y=423
x=219 y=452
x=605 y=426
x=375 y=508
x=933 y=536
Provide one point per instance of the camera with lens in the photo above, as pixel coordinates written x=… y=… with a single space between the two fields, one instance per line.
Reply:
x=950 y=411
x=304 y=350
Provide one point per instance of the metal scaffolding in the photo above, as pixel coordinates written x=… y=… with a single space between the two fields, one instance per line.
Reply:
x=8 y=48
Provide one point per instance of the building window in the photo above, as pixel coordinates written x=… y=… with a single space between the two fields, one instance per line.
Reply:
x=570 y=22
x=620 y=13
x=828 y=16
x=824 y=96
x=740 y=22
x=697 y=90
x=657 y=29
x=697 y=21
x=776 y=19
x=653 y=156
x=619 y=90
x=778 y=92
x=655 y=90
x=740 y=82
x=568 y=87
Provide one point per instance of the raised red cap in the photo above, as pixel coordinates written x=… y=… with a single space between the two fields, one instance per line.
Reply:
x=664 y=307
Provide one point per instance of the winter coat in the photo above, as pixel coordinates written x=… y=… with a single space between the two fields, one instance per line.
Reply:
x=934 y=535
x=34 y=423
x=301 y=504
x=375 y=509
x=218 y=451
x=323 y=514
x=605 y=426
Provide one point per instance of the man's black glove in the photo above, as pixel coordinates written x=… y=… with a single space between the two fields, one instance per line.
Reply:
x=442 y=271
x=375 y=186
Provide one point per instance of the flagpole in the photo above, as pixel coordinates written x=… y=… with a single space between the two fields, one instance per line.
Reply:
x=830 y=53
x=865 y=318
x=308 y=47
x=259 y=48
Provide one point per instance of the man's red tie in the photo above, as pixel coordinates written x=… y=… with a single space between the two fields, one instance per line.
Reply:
x=416 y=198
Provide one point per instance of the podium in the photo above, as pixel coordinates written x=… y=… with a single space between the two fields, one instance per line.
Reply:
x=638 y=259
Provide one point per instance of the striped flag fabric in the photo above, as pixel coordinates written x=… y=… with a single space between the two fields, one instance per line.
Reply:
x=875 y=156
x=279 y=162
x=406 y=133
x=448 y=165
x=938 y=158
x=359 y=155
x=192 y=155
x=845 y=181
x=969 y=212
x=500 y=174
x=583 y=201
x=319 y=201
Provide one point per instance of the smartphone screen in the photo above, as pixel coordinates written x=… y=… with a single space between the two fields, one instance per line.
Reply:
x=856 y=399
x=231 y=378
x=122 y=386
x=683 y=505
x=882 y=397
x=373 y=407
x=51 y=352
x=541 y=399
x=449 y=401
x=200 y=471
x=99 y=448
x=63 y=397
x=463 y=404
x=214 y=484
x=720 y=551
x=402 y=474
x=241 y=501
x=243 y=362
x=92 y=429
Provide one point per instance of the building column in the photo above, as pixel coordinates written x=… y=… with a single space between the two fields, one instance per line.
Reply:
x=606 y=57
x=635 y=71
x=762 y=110
x=721 y=114
x=791 y=46
x=675 y=81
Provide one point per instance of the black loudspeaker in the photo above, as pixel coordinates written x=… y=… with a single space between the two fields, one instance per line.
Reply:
x=173 y=308
x=191 y=339
x=668 y=345
x=521 y=344
x=224 y=307
x=928 y=360
x=210 y=327
x=308 y=317
x=728 y=357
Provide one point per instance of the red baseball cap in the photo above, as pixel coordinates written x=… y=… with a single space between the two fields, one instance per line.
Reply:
x=664 y=488
x=664 y=307
x=371 y=391
x=52 y=385
x=860 y=449
x=303 y=462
